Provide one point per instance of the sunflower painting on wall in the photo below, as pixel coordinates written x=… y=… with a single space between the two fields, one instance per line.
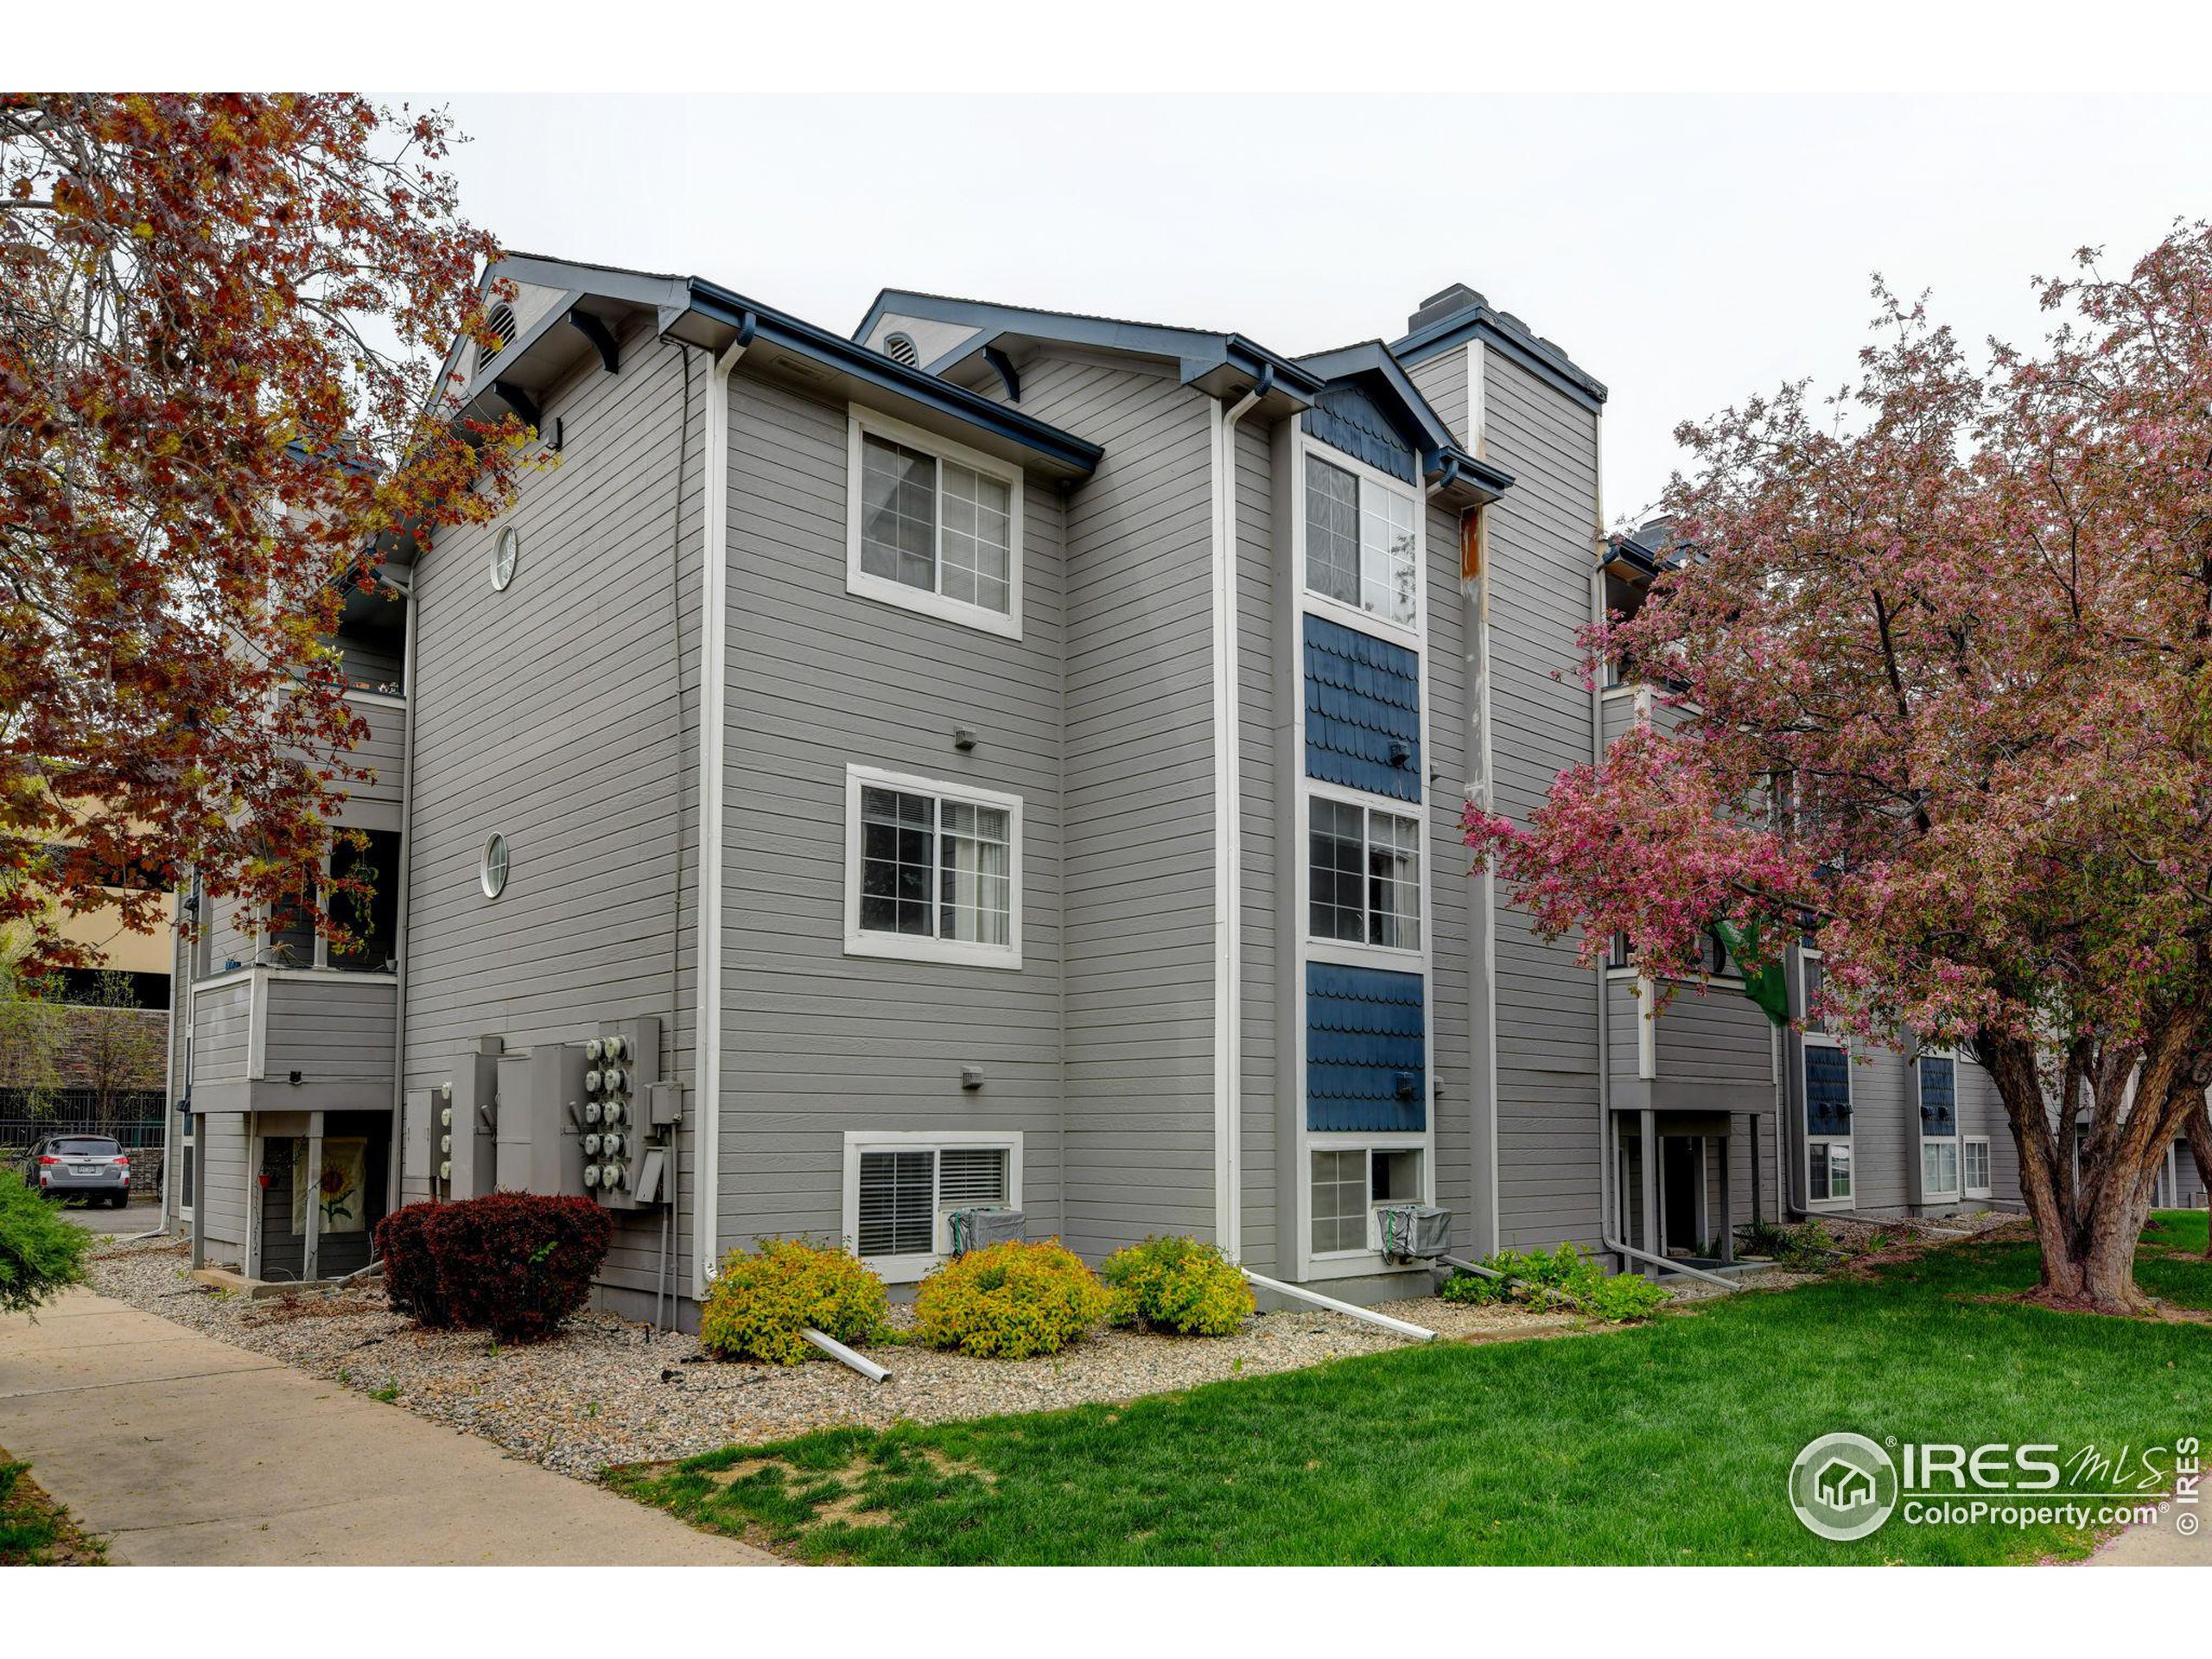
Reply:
x=339 y=1189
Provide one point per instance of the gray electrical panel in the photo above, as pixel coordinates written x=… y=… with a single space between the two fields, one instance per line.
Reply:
x=541 y=1105
x=418 y=1151
x=467 y=1123
x=629 y=1116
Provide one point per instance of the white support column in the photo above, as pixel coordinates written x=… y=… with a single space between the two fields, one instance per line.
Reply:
x=307 y=1268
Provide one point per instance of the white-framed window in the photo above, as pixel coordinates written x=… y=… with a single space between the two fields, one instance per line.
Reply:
x=1938 y=1169
x=1364 y=869
x=1363 y=539
x=1973 y=1159
x=1347 y=1184
x=1829 y=1170
x=1938 y=1079
x=933 y=870
x=901 y=1188
x=932 y=525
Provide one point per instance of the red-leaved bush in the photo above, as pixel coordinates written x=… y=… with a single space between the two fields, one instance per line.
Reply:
x=410 y=1274
x=514 y=1264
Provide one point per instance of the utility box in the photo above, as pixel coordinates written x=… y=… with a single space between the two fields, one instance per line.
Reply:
x=973 y=1230
x=466 y=1124
x=541 y=1103
x=629 y=1116
x=418 y=1146
x=1414 y=1232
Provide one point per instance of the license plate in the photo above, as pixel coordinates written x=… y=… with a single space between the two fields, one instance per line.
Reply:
x=83 y=1169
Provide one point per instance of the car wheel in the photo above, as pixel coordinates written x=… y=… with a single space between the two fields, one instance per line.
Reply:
x=122 y=1201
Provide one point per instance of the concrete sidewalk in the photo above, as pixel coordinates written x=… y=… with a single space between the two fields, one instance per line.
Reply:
x=188 y=1452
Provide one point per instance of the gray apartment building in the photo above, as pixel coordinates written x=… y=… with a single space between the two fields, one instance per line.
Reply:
x=1006 y=759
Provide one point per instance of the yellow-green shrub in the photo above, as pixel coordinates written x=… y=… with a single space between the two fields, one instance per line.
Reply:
x=1176 y=1284
x=763 y=1297
x=1009 y=1300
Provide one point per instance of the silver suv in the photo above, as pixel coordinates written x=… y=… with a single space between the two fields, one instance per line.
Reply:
x=91 y=1166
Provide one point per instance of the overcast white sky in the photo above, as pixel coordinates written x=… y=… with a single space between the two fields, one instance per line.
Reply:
x=1686 y=251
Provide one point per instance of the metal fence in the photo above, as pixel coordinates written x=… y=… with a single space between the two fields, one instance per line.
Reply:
x=136 y=1118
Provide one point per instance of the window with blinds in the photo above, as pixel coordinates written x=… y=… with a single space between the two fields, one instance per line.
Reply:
x=904 y=1194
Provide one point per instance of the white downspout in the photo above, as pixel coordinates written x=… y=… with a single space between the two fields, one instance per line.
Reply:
x=1228 y=827
x=713 y=709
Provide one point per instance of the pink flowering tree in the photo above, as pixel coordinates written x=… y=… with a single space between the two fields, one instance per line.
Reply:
x=1937 y=657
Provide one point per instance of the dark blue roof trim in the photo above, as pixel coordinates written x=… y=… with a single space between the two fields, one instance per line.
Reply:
x=873 y=367
x=1366 y=1061
x=1197 y=350
x=1371 y=366
x=1362 y=711
x=1546 y=363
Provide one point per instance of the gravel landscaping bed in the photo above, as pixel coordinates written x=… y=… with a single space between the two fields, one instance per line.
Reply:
x=609 y=1391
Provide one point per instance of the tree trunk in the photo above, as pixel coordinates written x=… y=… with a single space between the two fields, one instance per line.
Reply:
x=2087 y=1223
x=2198 y=1127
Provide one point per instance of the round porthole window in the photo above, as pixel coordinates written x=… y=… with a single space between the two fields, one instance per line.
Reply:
x=494 y=873
x=504 y=555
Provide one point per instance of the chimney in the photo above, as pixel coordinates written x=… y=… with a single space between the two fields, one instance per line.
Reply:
x=1450 y=303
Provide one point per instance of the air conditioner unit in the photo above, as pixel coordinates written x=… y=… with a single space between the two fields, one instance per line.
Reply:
x=1414 y=1232
x=974 y=1229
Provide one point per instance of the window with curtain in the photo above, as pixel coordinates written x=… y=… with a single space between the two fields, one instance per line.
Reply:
x=935 y=869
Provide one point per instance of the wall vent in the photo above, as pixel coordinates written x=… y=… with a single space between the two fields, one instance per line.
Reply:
x=501 y=319
x=900 y=348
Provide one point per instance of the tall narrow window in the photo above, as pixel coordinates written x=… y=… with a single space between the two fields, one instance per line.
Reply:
x=933 y=871
x=1361 y=544
x=935 y=528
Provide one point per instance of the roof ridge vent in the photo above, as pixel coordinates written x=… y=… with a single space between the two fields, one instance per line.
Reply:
x=1446 y=303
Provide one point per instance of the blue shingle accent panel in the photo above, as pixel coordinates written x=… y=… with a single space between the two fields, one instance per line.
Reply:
x=1346 y=418
x=1365 y=1067
x=1362 y=711
x=1939 y=1097
x=1828 y=1091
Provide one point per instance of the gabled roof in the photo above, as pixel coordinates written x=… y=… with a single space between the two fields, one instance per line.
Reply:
x=1215 y=361
x=1460 y=314
x=597 y=303
x=1376 y=372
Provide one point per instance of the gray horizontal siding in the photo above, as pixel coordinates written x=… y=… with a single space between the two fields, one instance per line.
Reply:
x=817 y=1043
x=221 y=1021
x=1139 y=867
x=1260 y=707
x=1541 y=540
x=562 y=714
x=335 y=1027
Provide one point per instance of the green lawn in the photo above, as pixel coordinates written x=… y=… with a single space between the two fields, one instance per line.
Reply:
x=1670 y=1443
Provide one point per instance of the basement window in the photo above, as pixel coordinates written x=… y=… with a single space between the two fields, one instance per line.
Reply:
x=1973 y=1157
x=901 y=1190
x=1349 y=1184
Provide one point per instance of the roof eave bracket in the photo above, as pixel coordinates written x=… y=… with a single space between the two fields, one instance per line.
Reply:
x=601 y=337
x=519 y=400
x=999 y=360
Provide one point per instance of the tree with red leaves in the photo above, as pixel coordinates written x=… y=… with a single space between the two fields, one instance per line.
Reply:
x=1938 y=663
x=221 y=322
